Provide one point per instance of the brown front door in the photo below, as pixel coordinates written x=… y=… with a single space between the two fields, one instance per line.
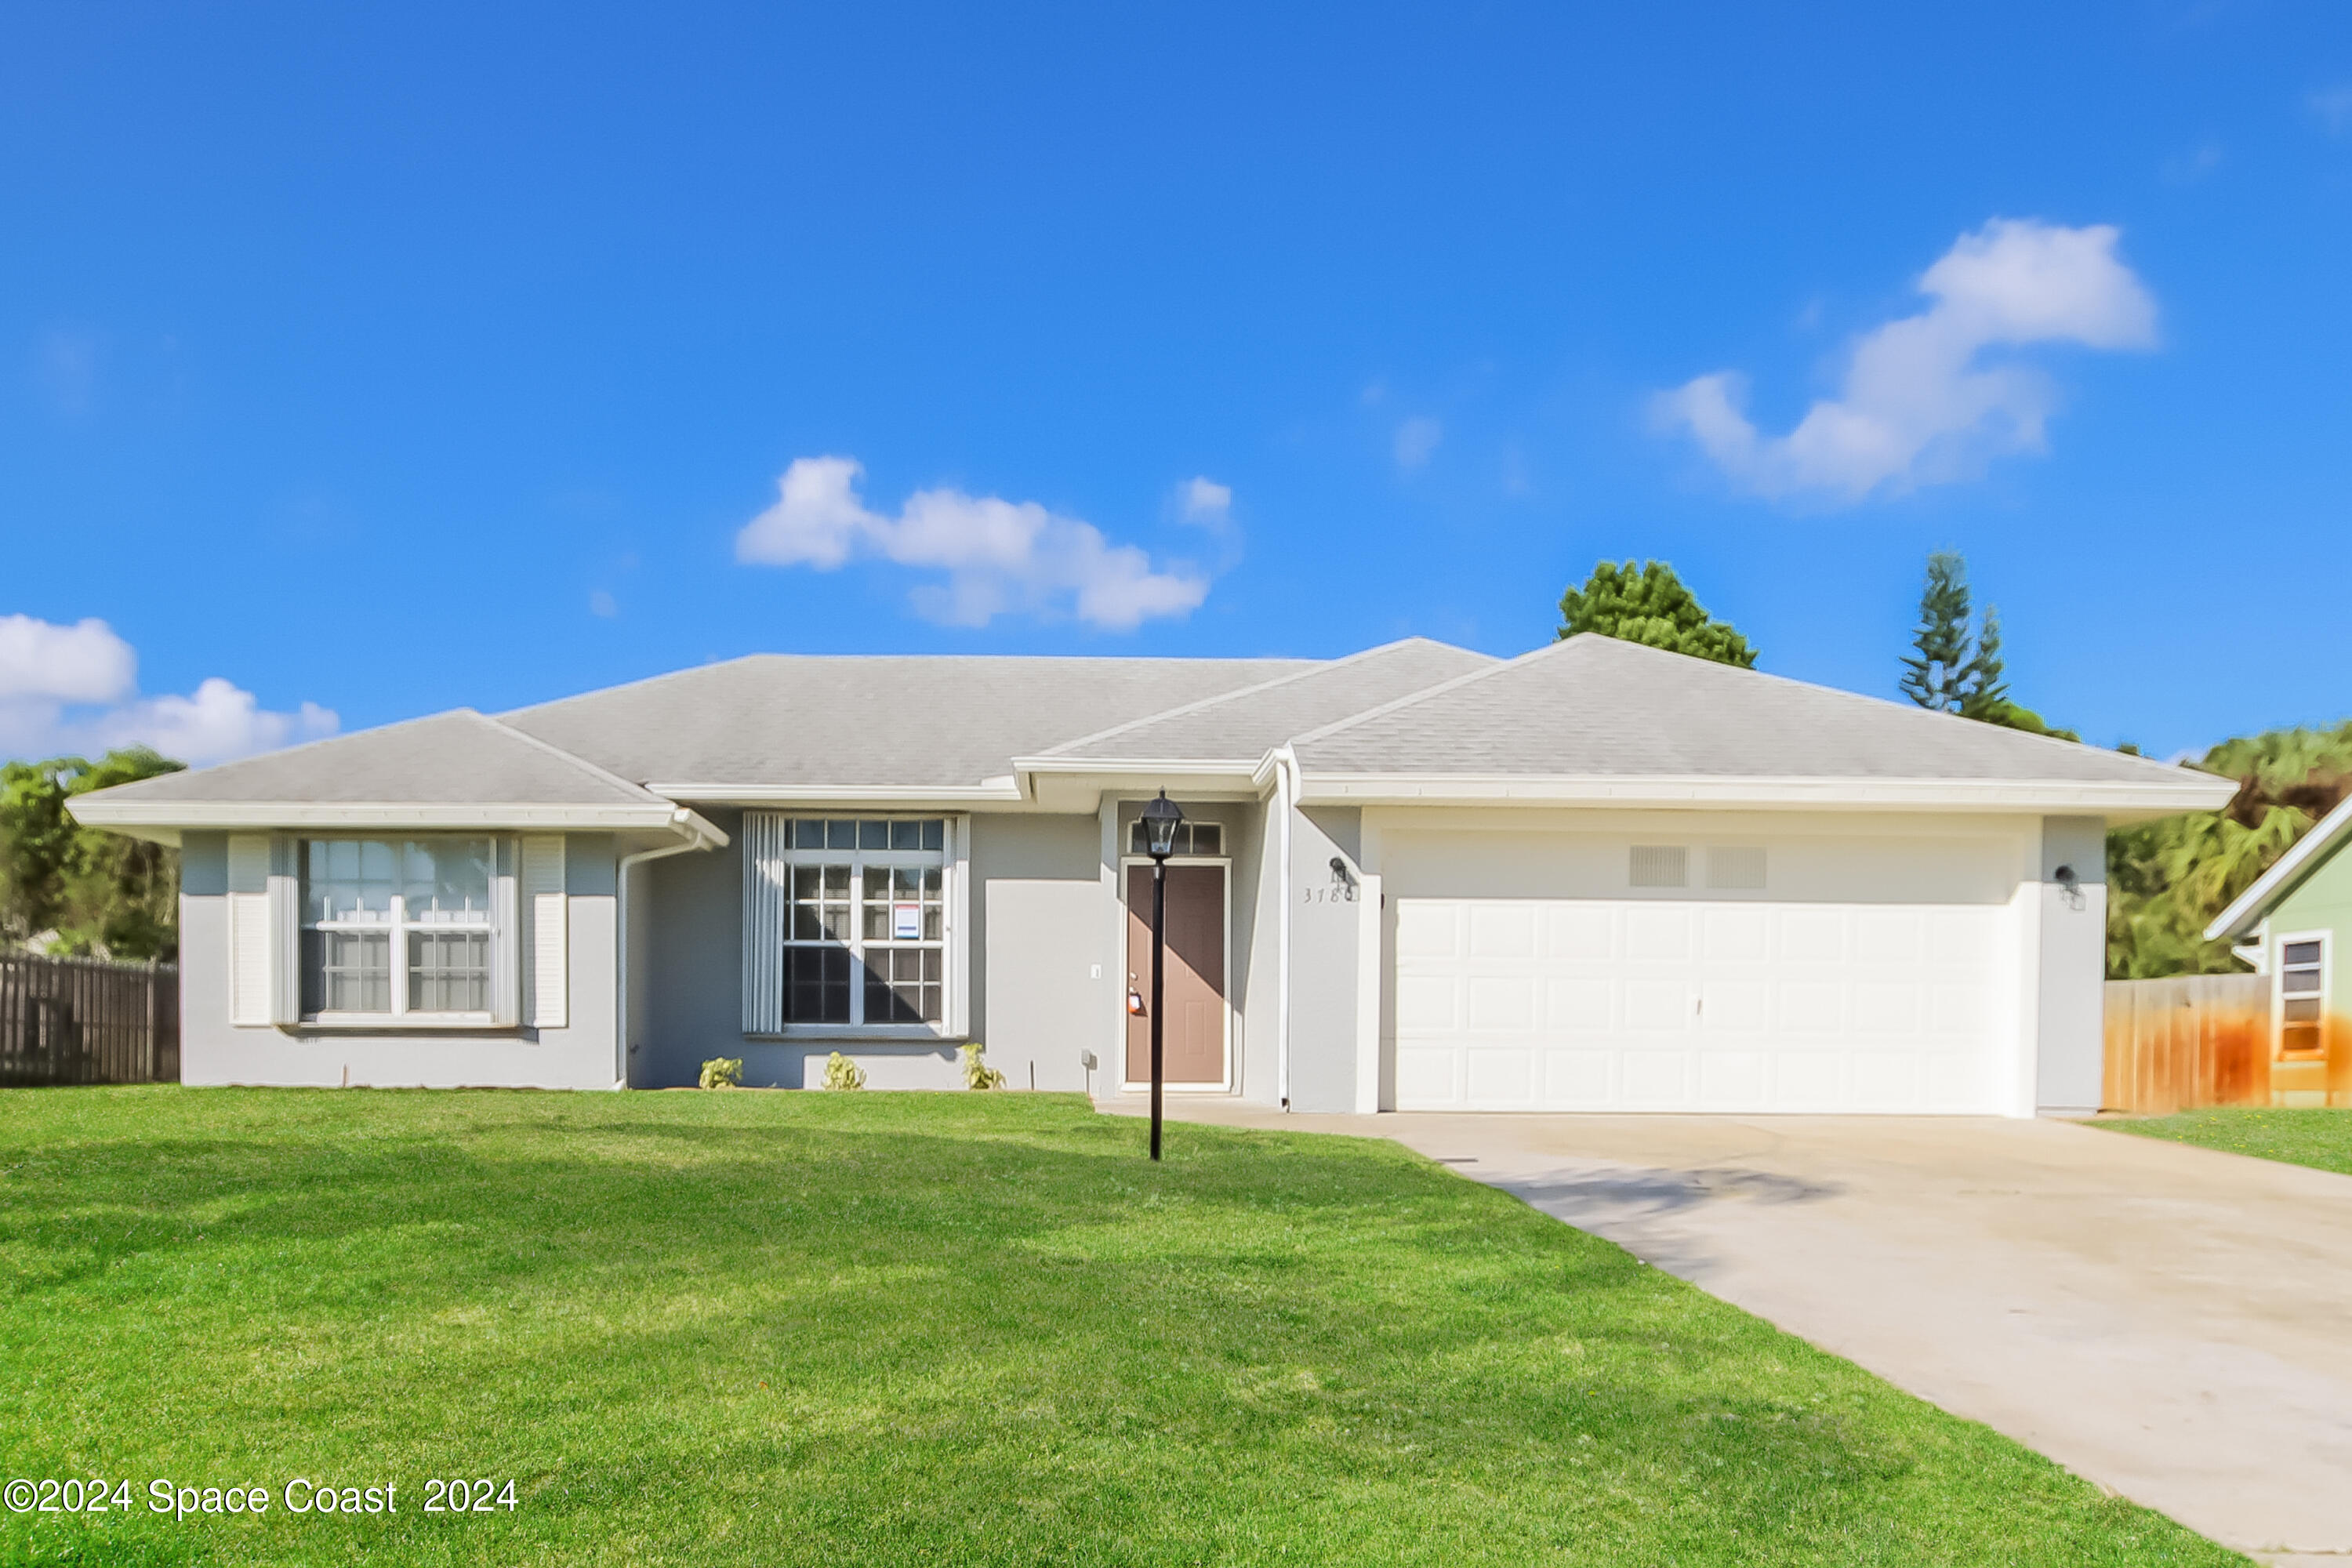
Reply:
x=1194 y=1041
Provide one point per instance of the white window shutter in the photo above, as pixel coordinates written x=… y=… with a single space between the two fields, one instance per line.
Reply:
x=285 y=936
x=250 y=999
x=764 y=914
x=507 y=975
x=546 y=931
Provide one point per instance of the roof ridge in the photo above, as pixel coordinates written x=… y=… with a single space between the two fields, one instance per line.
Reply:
x=1393 y=703
x=1200 y=703
x=583 y=763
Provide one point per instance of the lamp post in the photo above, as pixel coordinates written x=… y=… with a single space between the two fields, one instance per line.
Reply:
x=1160 y=819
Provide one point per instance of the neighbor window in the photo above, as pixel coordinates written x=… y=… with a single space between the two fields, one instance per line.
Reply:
x=1192 y=838
x=865 y=934
x=397 y=928
x=2303 y=992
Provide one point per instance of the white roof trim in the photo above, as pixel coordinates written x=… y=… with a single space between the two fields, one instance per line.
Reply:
x=2192 y=792
x=132 y=815
x=2285 y=875
x=995 y=789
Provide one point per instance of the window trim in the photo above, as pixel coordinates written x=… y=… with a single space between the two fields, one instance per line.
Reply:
x=397 y=928
x=2326 y=967
x=952 y=861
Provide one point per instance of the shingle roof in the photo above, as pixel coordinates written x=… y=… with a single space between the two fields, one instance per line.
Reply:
x=906 y=722
x=1593 y=706
x=1246 y=725
x=458 y=757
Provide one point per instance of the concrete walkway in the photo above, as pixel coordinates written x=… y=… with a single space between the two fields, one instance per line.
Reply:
x=2172 y=1324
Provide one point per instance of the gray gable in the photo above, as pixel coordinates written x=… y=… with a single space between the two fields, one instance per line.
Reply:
x=455 y=758
x=1246 y=725
x=908 y=721
x=1593 y=706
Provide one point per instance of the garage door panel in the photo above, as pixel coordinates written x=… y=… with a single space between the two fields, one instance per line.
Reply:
x=1733 y=1080
x=1502 y=931
x=1579 y=932
x=1502 y=1002
x=1579 y=1078
x=1500 y=1077
x=1578 y=1004
x=1727 y=1004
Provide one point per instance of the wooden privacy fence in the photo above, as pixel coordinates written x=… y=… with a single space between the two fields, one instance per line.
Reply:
x=2189 y=1041
x=79 y=1020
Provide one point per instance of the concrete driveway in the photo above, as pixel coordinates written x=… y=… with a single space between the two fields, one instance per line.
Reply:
x=2172 y=1324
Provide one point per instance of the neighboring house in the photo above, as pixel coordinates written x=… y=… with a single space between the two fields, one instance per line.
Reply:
x=2292 y=925
x=1596 y=877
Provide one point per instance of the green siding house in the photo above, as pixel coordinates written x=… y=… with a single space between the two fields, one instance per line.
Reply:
x=2294 y=926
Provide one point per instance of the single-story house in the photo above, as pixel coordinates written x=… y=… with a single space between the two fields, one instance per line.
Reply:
x=1598 y=877
x=2292 y=925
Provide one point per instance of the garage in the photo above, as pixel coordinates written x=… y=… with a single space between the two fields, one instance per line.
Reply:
x=1704 y=966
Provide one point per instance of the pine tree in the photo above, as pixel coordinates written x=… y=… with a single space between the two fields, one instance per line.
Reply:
x=1649 y=604
x=1983 y=693
x=1936 y=675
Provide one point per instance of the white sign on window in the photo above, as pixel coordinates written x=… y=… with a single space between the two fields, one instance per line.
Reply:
x=906 y=922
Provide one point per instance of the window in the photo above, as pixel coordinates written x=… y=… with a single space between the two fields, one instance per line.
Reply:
x=393 y=927
x=864 y=933
x=2303 y=995
x=1192 y=838
x=1659 y=866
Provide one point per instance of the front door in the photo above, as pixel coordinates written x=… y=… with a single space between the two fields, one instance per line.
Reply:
x=1193 y=1040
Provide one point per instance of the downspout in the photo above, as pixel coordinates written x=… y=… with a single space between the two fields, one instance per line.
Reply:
x=1286 y=791
x=682 y=820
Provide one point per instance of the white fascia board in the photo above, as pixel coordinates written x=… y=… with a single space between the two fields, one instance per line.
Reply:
x=2283 y=876
x=899 y=795
x=149 y=818
x=2112 y=799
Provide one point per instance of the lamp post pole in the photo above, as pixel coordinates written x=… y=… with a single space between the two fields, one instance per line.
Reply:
x=1160 y=819
x=1159 y=983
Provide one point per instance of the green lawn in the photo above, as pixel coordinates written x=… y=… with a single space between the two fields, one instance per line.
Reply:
x=2320 y=1138
x=955 y=1329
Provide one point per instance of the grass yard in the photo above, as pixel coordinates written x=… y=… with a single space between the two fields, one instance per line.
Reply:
x=2318 y=1137
x=922 y=1329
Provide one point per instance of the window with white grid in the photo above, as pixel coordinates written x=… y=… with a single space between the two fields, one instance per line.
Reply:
x=865 y=934
x=397 y=928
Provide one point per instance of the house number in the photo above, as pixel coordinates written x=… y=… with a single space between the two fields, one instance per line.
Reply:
x=1328 y=896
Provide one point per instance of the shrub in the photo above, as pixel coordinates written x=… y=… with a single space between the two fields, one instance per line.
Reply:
x=840 y=1072
x=978 y=1074
x=722 y=1072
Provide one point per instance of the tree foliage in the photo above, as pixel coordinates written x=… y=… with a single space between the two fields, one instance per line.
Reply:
x=1649 y=604
x=1956 y=665
x=81 y=890
x=2166 y=881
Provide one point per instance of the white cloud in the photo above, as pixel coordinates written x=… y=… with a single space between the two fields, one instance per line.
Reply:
x=1921 y=405
x=1203 y=501
x=74 y=689
x=1416 y=442
x=602 y=603
x=1000 y=557
x=2333 y=107
x=85 y=662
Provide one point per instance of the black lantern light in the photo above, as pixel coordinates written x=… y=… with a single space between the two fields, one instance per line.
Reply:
x=1160 y=819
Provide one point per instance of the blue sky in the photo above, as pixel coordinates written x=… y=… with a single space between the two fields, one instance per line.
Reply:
x=393 y=361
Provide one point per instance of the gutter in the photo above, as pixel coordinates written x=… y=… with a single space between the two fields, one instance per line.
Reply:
x=702 y=836
x=1286 y=795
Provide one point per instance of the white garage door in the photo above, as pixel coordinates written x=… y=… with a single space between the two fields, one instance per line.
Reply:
x=1649 y=1003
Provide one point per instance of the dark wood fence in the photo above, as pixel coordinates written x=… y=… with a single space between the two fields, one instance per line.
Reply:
x=2196 y=1040
x=79 y=1020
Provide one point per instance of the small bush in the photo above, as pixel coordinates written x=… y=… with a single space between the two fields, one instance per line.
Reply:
x=978 y=1074
x=840 y=1072
x=722 y=1072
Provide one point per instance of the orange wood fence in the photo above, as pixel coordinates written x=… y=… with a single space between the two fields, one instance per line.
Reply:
x=2189 y=1041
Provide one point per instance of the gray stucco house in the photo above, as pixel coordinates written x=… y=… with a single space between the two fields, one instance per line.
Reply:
x=1597 y=877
